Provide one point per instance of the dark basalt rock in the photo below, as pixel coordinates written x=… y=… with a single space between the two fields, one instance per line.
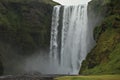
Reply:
x=1 y=68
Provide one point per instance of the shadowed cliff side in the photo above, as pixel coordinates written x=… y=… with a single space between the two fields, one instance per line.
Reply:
x=1 y=67
x=104 y=58
x=24 y=27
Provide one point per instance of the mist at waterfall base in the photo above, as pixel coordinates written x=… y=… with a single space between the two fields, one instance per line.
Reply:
x=71 y=40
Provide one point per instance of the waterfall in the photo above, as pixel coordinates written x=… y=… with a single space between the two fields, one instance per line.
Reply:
x=54 y=32
x=71 y=38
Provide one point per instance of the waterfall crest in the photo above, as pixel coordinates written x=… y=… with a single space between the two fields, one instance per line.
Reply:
x=71 y=38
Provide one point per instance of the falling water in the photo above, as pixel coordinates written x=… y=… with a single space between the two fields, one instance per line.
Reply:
x=54 y=32
x=71 y=38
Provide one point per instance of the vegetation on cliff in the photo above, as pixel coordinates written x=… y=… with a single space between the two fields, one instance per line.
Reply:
x=105 y=57
x=24 y=26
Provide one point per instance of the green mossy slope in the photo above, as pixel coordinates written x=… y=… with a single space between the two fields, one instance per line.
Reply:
x=105 y=57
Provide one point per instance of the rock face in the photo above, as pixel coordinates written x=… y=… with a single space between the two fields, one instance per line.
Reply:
x=1 y=68
x=24 y=26
x=105 y=57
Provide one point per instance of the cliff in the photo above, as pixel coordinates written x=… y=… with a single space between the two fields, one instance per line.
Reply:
x=24 y=27
x=104 y=58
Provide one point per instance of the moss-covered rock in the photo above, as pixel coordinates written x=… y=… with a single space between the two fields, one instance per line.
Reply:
x=24 y=28
x=104 y=58
x=25 y=24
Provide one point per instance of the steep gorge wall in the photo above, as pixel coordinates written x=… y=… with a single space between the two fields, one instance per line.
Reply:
x=104 y=58
x=24 y=27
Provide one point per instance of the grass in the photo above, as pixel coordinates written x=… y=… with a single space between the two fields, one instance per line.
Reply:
x=92 y=77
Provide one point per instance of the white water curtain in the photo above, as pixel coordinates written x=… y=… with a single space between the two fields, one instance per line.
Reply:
x=72 y=2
